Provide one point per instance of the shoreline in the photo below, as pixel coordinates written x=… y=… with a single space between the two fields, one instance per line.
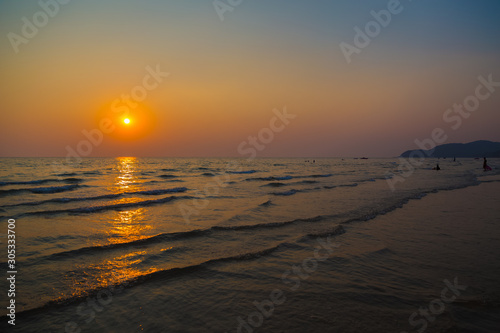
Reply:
x=448 y=236
x=383 y=272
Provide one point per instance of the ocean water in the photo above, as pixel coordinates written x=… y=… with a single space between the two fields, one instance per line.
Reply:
x=178 y=234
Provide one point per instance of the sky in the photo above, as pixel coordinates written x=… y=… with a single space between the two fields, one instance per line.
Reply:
x=206 y=78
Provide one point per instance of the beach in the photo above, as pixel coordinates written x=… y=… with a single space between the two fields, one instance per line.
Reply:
x=287 y=246
x=250 y=166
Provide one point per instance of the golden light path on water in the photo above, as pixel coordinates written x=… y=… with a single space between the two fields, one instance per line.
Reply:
x=125 y=178
x=125 y=226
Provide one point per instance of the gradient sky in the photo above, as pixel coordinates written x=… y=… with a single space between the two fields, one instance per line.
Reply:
x=227 y=76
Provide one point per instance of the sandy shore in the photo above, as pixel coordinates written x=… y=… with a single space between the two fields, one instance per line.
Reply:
x=433 y=266
x=450 y=235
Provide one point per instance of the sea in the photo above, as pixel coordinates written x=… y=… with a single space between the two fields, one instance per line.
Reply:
x=212 y=244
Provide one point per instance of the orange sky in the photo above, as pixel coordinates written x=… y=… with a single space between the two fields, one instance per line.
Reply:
x=225 y=78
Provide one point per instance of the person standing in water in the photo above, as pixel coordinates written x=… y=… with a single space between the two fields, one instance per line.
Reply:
x=485 y=165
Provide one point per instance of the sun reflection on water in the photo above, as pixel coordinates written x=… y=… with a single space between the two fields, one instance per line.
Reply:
x=127 y=226
x=126 y=167
x=87 y=278
x=123 y=226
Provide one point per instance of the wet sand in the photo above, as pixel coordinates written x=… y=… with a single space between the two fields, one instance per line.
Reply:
x=432 y=265
x=444 y=236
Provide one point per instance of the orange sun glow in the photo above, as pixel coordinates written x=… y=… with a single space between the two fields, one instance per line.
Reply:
x=126 y=124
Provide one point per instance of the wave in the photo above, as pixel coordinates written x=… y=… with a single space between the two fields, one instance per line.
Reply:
x=175 y=272
x=242 y=172
x=307 y=182
x=158 y=275
x=276 y=178
x=160 y=191
x=356 y=183
x=338 y=230
x=40 y=190
x=167 y=176
x=293 y=191
x=349 y=185
x=252 y=226
x=490 y=181
x=272 y=178
x=65 y=200
x=375 y=178
x=342 y=185
x=208 y=174
x=65 y=174
x=169 y=170
x=100 y=197
x=266 y=204
x=53 y=239
x=286 y=193
x=153 y=259
x=53 y=189
x=42 y=181
x=94 y=209
x=176 y=236
x=180 y=271
x=319 y=176
x=31 y=182
x=72 y=180
x=95 y=172
x=399 y=204
x=139 y=242
x=276 y=184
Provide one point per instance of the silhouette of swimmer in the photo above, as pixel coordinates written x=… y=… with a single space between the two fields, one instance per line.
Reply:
x=486 y=167
x=436 y=167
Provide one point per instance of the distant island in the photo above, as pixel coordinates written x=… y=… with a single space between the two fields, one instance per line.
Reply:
x=481 y=148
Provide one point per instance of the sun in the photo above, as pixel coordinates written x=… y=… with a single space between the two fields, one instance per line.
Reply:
x=126 y=124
